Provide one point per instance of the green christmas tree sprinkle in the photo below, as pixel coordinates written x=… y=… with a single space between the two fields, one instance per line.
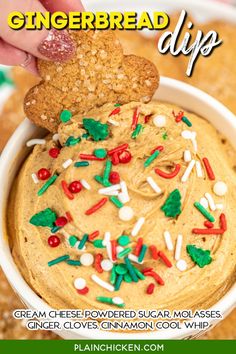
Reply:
x=97 y=130
x=199 y=256
x=45 y=217
x=172 y=206
x=71 y=141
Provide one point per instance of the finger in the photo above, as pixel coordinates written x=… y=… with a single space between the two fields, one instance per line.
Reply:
x=64 y=5
x=54 y=45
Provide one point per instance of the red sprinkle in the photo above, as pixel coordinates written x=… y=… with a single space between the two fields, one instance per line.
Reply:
x=113 y=250
x=168 y=175
x=157 y=277
x=83 y=291
x=118 y=149
x=135 y=118
x=114 y=177
x=208 y=168
x=138 y=247
x=178 y=116
x=97 y=262
x=150 y=289
x=43 y=174
x=69 y=217
x=61 y=221
x=66 y=190
x=147 y=118
x=54 y=152
x=75 y=187
x=115 y=159
x=223 y=222
x=159 y=148
x=154 y=252
x=54 y=241
x=208 y=231
x=145 y=270
x=208 y=224
x=114 y=112
x=97 y=206
x=93 y=235
x=90 y=157
x=165 y=259
x=124 y=156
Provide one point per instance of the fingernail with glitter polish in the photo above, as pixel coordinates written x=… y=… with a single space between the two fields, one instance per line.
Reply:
x=57 y=46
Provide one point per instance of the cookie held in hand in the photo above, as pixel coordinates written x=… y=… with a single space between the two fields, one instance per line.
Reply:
x=100 y=73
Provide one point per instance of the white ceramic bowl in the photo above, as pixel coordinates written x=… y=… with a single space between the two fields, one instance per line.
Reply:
x=14 y=153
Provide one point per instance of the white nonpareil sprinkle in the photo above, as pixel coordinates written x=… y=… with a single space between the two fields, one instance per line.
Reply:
x=187 y=156
x=102 y=283
x=117 y=300
x=220 y=188
x=110 y=189
x=181 y=265
x=35 y=178
x=113 y=122
x=67 y=163
x=168 y=241
x=86 y=259
x=106 y=265
x=210 y=201
x=134 y=258
x=85 y=184
x=126 y=213
x=199 y=169
x=124 y=195
x=107 y=238
x=188 y=171
x=178 y=247
x=204 y=202
x=159 y=121
x=56 y=137
x=79 y=283
x=153 y=184
x=33 y=142
x=137 y=226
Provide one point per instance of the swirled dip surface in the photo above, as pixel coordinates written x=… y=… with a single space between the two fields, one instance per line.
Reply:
x=193 y=288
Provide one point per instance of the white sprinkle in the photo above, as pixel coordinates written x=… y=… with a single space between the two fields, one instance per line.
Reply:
x=79 y=283
x=107 y=238
x=188 y=135
x=35 y=178
x=124 y=195
x=181 y=265
x=188 y=171
x=110 y=189
x=115 y=193
x=126 y=213
x=187 y=156
x=199 y=169
x=85 y=184
x=109 y=251
x=67 y=163
x=194 y=141
x=106 y=265
x=219 y=206
x=210 y=201
x=204 y=202
x=220 y=188
x=178 y=247
x=137 y=226
x=102 y=283
x=113 y=122
x=33 y=142
x=168 y=241
x=153 y=184
x=56 y=137
x=117 y=300
x=86 y=259
x=134 y=258
x=119 y=249
x=159 y=121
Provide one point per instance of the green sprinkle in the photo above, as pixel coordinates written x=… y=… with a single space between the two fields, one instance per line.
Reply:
x=131 y=270
x=81 y=164
x=139 y=274
x=172 y=205
x=58 y=260
x=165 y=136
x=117 y=105
x=118 y=282
x=55 y=229
x=73 y=262
x=65 y=115
x=97 y=130
x=116 y=201
x=107 y=171
x=137 y=131
x=199 y=256
x=105 y=300
x=45 y=217
x=71 y=141
x=5 y=79
x=127 y=278
x=47 y=185
x=73 y=240
x=124 y=252
x=100 y=180
x=123 y=240
x=151 y=158
x=83 y=241
x=85 y=136
x=113 y=276
x=98 y=244
x=204 y=212
x=187 y=121
x=121 y=269
x=100 y=153
x=142 y=253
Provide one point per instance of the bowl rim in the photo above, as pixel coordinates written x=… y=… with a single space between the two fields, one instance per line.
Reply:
x=225 y=304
